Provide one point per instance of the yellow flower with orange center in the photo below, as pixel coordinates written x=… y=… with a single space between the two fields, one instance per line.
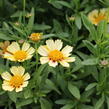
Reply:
x=35 y=36
x=17 y=81
x=3 y=47
x=97 y=16
x=53 y=54
x=15 y=53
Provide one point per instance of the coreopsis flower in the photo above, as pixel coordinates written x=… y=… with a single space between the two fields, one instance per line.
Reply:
x=97 y=16
x=3 y=47
x=53 y=54
x=15 y=53
x=35 y=36
x=28 y=15
x=71 y=18
x=17 y=81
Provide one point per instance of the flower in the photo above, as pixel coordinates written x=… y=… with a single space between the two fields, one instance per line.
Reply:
x=71 y=18
x=17 y=81
x=35 y=36
x=53 y=54
x=16 y=54
x=28 y=15
x=3 y=47
x=97 y=16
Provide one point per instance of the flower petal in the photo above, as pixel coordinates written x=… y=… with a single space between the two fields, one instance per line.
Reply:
x=25 y=84
x=64 y=63
x=6 y=76
x=13 y=47
x=30 y=51
x=66 y=50
x=50 y=44
x=14 y=70
x=43 y=50
x=7 y=87
x=19 y=89
x=44 y=60
x=53 y=64
x=58 y=44
x=21 y=70
x=70 y=59
x=26 y=76
x=25 y=46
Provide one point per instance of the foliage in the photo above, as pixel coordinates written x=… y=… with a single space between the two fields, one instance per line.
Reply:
x=84 y=85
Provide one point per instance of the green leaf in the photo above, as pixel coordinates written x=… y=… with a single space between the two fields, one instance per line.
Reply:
x=41 y=27
x=107 y=99
x=51 y=85
x=28 y=93
x=31 y=21
x=89 y=26
x=91 y=61
x=67 y=106
x=13 y=96
x=64 y=3
x=74 y=90
x=90 y=46
x=90 y=86
x=45 y=104
x=5 y=37
x=101 y=28
x=99 y=103
x=23 y=103
x=78 y=22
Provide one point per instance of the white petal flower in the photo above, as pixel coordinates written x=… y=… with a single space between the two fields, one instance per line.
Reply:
x=16 y=81
x=52 y=53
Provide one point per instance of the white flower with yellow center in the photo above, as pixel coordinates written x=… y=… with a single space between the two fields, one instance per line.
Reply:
x=53 y=54
x=17 y=81
x=15 y=53
x=96 y=16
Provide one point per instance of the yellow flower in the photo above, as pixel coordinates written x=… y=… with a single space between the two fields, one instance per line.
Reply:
x=3 y=47
x=35 y=36
x=15 y=53
x=97 y=16
x=17 y=81
x=53 y=54
x=28 y=15
x=72 y=18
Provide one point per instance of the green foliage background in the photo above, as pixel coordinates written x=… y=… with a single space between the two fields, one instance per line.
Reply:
x=85 y=85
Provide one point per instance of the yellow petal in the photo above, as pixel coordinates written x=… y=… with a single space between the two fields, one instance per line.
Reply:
x=44 y=60
x=14 y=70
x=66 y=50
x=25 y=84
x=7 y=87
x=6 y=76
x=58 y=44
x=21 y=70
x=50 y=44
x=30 y=51
x=42 y=50
x=26 y=76
x=13 y=47
x=70 y=59
x=19 y=89
x=25 y=46
x=64 y=63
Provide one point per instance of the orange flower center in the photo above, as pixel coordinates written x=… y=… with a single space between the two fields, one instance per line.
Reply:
x=20 y=55
x=100 y=18
x=55 y=55
x=16 y=81
x=35 y=36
